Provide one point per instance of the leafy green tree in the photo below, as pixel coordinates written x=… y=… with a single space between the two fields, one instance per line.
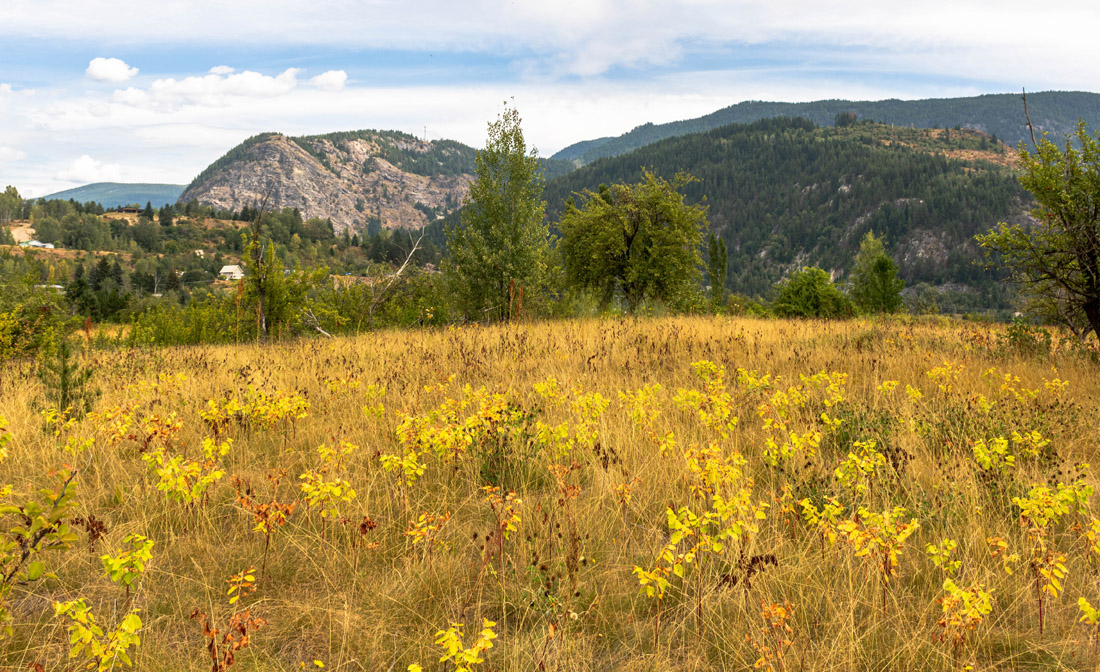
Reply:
x=164 y=215
x=810 y=292
x=1057 y=259
x=48 y=230
x=638 y=240
x=148 y=212
x=717 y=260
x=11 y=205
x=500 y=249
x=874 y=285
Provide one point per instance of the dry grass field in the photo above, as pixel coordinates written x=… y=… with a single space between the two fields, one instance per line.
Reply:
x=665 y=494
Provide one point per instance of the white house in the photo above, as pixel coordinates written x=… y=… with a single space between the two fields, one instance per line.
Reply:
x=37 y=243
x=233 y=272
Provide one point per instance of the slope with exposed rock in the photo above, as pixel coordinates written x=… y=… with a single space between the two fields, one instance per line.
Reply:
x=360 y=180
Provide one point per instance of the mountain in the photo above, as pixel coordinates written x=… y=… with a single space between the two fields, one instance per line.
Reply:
x=1000 y=115
x=114 y=194
x=359 y=179
x=785 y=193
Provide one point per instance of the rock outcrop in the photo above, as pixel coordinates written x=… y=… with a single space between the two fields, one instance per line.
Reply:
x=355 y=179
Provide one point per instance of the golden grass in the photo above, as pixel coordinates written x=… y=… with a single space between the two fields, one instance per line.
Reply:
x=565 y=596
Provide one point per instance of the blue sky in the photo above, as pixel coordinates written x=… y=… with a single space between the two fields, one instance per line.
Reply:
x=137 y=91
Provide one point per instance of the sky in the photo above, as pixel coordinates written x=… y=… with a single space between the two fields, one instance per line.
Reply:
x=140 y=91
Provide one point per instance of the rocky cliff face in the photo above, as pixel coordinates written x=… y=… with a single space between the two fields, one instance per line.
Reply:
x=355 y=179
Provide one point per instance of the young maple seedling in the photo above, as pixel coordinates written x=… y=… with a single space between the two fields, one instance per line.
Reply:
x=103 y=650
x=236 y=637
x=269 y=515
x=407 y=468
x=507 y=518
x=644 y=410
x=963 y=611
x=464 y=659
x=425 y=531
x=365 y=527
x=880 y=537
x=223 y=651
x=1040 y=510
x=186 y=480
x=623 y=494
x=684 y=526
x=713 y=404
x=857 y=472
x=1090 y=616
x=41 y=528
x=941 y=556
x=327 y=495
x=130 y=563
x=776 y=634
x=824 y=520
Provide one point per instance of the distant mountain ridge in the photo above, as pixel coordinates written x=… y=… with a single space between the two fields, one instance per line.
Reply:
x=359 y=179
x=998 y=114
x=115 y=194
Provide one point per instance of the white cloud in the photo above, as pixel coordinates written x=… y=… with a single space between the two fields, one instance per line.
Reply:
x=333 y=80
x=110 y=70
x=211 y=90
x=562 y=61
x=9 y=154
x=87 y=169
x=583 y=37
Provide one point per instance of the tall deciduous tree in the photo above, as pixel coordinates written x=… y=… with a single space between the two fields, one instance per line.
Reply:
x=873 y=284
x=500 y=249
x=1057 y=260
x=11 y=205
x=640 y=240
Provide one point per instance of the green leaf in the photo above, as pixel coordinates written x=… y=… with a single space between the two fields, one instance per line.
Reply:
x=35 y=570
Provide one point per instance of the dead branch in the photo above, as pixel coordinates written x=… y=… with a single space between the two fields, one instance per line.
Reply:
x=1030 y=128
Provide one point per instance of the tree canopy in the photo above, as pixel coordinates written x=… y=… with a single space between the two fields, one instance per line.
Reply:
x=638 y=240
x=810 y=292
x=1057 y=259
x=499 y=251
x=874 y=285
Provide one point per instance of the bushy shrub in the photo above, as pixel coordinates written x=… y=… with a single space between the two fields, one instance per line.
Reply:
x=810 y=292
x=30 y=318
x=739 y=305
x=1025 y=338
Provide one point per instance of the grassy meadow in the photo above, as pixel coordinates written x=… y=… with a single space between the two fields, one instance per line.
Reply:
x=659 y=494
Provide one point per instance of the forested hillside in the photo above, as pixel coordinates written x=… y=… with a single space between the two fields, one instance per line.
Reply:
x=1000 y=115
x=784 y=193
x=115 y=194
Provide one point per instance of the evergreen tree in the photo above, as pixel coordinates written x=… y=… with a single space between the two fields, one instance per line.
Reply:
x=148 y=213
x=499 y=251
x=717 y=260
x=874 y=284
x=100 y=272
x=171 y=281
